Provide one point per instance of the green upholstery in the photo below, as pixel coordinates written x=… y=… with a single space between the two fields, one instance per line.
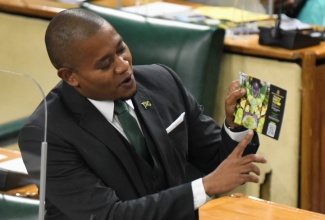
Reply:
x=193 y=51
x=9 y=129
x=18 y=208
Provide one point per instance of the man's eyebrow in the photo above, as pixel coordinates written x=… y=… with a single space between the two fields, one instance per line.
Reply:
x=107 y=56
x=99 y=61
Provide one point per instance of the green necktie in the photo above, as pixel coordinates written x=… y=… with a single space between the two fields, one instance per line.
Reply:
x=131 y=129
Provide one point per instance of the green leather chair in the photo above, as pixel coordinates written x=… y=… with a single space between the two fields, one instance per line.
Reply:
x=193 y=51
x=18 y=208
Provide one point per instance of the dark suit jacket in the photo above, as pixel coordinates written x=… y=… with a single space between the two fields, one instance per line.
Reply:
x=91 y=170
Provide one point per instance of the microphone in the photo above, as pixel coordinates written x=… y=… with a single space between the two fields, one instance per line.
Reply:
x=44 y=146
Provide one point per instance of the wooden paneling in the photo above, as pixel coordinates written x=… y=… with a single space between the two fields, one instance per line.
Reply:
x=312 y=191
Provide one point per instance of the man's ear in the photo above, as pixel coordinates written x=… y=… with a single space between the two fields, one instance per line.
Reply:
x=68 y=76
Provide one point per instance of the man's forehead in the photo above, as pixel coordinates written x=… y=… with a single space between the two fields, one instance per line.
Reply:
x=107 y=26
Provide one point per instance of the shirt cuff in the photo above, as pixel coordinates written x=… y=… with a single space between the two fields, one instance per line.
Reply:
x=236 y=136
x=199 y=195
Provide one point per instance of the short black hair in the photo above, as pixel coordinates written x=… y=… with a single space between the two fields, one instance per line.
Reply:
x=65 y=29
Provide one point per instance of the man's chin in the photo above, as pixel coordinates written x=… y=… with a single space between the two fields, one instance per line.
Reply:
x=130 y=96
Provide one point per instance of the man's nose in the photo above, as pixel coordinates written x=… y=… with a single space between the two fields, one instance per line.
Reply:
x=122 y=65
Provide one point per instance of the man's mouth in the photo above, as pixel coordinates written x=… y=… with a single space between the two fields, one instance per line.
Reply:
x=127 y=81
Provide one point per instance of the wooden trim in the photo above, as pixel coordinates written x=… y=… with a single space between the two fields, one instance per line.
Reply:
x=36 y=8
x=309 y=134
x=320 y=154
x=249 y=45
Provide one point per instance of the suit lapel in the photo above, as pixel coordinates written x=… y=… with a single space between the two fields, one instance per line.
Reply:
x=96 y=124
x=158 y=133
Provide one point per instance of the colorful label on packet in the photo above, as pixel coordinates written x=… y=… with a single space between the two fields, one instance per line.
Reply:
x=262 y=108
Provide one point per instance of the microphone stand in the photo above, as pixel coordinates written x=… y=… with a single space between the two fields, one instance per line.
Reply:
x=43 y=166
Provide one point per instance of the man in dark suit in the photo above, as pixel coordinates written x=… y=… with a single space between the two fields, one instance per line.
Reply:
x=93 y=171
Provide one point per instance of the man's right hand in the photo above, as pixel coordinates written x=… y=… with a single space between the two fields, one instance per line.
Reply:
x=233 y=171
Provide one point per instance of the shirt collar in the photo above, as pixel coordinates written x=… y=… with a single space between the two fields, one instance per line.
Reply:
x=106 y=107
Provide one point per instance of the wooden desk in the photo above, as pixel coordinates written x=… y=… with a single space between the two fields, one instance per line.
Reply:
x=249 y=45
x=36 y=8
x=49 y=8
x=30 y=191
x=251 y=208
x=6 y=155
x=24 y=191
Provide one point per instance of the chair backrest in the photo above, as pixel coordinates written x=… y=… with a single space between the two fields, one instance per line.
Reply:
x=193 y=51
x=10 y=129
x=14 y=207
